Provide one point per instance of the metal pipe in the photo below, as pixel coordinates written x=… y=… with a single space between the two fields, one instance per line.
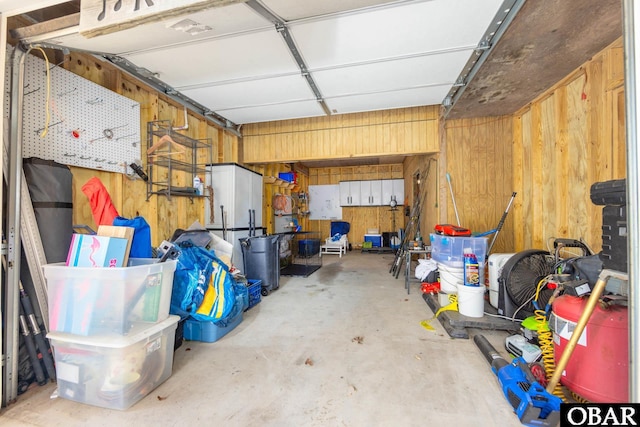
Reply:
x=631 y=46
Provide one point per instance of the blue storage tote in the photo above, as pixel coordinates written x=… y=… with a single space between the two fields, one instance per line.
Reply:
x=197 y=330
x=254 y=288
x=308 y=247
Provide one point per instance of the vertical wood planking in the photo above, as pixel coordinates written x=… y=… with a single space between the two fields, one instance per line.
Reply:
x=579 y=129
x=401 y=131
x=518 y=183
x=579 y=180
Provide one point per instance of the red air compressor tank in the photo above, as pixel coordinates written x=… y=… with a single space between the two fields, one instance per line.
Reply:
x=598 y=369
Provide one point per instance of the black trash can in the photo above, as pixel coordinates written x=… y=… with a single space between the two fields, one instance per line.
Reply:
x=262 y=261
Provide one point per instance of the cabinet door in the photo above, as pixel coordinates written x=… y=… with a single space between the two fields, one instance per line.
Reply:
x=371 y=193
x=345 y=193
x=243 y=198
x=355 y=193
x=376 y=192
x=387 y=191
x=256 y=198
x=349 y=193
x=222 y=180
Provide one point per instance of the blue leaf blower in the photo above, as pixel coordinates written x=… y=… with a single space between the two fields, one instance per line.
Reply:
x=531 y=402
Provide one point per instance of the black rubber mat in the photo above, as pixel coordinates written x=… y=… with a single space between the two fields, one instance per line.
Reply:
x=299 y=270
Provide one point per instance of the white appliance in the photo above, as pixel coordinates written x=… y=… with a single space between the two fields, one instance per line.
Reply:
x=235 y=210
x=496 y=262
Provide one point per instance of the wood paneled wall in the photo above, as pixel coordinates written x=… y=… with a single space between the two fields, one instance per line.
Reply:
x=129 y=195
x=372 y=134
x=479 y=163
x=569 y=138
x=550 y=153
x=361 y=218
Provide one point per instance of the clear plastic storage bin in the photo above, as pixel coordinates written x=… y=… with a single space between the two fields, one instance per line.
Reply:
x=114 y=371
x=450 y=250
x=89 y=301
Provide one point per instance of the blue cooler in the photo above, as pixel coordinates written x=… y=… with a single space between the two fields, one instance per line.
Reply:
x=375 y=239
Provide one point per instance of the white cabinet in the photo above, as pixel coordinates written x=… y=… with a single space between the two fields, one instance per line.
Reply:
x=350 y=193
x=375 y=192
x=371 y=193
x=238 y=192
x=234 y=208
x=392 y=187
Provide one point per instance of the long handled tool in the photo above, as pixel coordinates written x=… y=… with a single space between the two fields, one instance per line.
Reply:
x=500 y=224
x=31 y=349
x=39 y=339
x=453 y=199
x=412 y=227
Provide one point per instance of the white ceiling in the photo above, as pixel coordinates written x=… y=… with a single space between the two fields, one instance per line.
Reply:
x=363 y=55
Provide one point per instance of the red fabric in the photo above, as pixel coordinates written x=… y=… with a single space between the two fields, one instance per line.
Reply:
x=101 y=206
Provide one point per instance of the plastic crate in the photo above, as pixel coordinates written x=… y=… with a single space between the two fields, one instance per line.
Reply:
x=114 y=371
x=89 y=301
x=255 y=296
x=450 y=250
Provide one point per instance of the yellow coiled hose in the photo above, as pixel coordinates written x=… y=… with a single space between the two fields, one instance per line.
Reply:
x=545 y=340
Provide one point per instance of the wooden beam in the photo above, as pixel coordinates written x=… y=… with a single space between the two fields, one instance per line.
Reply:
x=97 y=18
x=46 y=27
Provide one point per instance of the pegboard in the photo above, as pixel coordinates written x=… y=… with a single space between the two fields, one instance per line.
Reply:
x=89 y=126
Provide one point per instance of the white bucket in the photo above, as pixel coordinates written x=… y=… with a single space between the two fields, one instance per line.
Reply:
x=450 y=278
x=471 y=300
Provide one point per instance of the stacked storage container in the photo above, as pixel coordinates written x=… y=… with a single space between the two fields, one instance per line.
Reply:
x=448 y=252
x=110 y=329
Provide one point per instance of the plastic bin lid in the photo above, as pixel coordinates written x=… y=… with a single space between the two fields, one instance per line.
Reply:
x=139 y=332
x=134 y=263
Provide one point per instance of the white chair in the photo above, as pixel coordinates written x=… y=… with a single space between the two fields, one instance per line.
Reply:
x=338 y=246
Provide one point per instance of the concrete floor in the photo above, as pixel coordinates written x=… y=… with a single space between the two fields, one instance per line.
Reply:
x=343 y=347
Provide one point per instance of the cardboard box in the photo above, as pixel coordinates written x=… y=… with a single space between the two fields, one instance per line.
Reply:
x=90 y=250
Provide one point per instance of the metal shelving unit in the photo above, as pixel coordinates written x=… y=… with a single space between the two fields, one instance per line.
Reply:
x=169 y=151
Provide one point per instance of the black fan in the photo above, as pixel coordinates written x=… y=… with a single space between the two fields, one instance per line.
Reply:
x=517 y=283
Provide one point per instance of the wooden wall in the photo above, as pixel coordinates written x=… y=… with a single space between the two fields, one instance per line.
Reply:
x=361 y=218
x=550 y=153
x=569 y=138
x=372 y=134
x=129 y=196
x=478 y=159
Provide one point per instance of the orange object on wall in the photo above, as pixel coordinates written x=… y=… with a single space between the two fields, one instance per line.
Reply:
x=101 y=206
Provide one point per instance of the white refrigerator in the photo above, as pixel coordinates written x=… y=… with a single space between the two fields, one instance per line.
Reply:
x=234 y=208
